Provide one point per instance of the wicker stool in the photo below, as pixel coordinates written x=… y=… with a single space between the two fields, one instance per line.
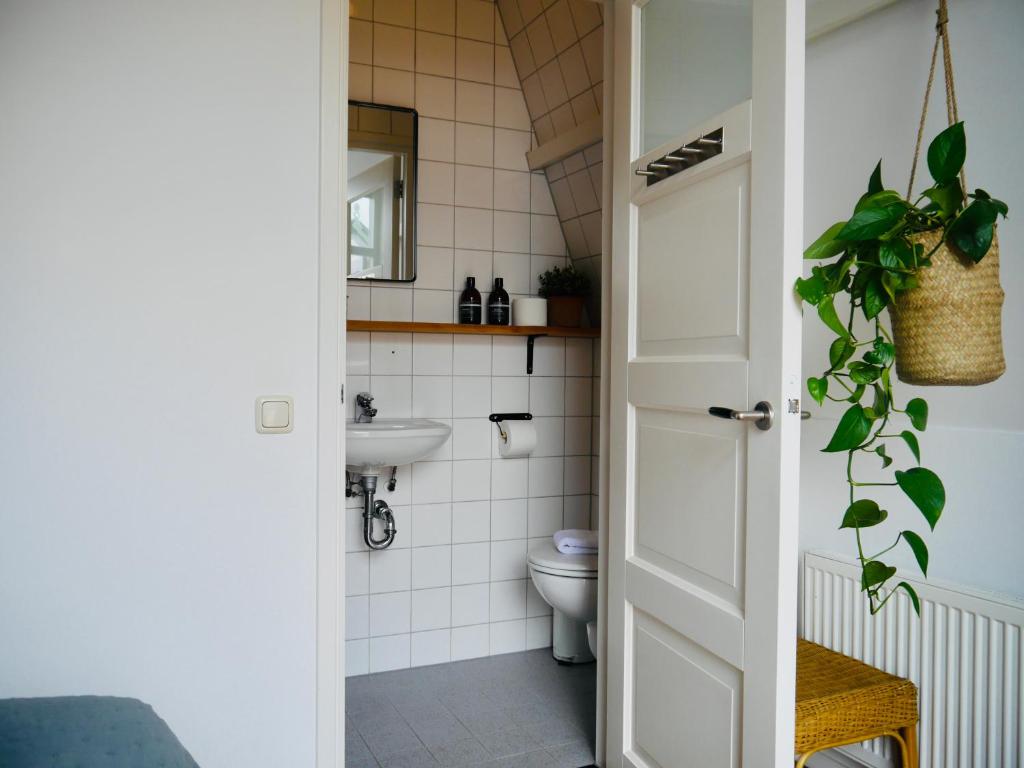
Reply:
x=842 y=701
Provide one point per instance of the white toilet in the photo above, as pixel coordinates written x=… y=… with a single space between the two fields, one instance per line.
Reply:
x=568 y=583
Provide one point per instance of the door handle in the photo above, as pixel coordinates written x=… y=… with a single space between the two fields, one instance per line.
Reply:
x=763 y=414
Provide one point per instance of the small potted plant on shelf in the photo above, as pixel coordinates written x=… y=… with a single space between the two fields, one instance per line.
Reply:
x=565 y=289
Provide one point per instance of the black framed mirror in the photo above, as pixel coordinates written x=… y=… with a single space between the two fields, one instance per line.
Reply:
x=381 y=204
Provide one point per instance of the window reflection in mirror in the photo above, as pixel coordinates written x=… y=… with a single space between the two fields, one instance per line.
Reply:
x=381 y=192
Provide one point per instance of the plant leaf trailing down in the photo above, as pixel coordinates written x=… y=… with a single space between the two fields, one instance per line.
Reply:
x=870 y=259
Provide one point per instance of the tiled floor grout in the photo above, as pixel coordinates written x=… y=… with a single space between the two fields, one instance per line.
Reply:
x=516 y=710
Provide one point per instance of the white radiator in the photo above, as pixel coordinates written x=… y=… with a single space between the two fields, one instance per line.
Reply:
x=964 y=654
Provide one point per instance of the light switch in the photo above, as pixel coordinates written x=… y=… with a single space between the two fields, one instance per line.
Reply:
x=274 y=414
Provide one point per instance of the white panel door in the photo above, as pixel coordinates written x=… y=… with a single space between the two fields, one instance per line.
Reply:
x=707 y=205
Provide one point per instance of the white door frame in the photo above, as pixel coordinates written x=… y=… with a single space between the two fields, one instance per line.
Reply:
x=604 y=443
x=614 y=379
x=330 y=443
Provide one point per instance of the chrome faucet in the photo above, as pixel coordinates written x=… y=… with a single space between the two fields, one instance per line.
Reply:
x=365 y=410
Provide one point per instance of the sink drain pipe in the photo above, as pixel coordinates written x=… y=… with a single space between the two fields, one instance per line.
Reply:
x=376 y=510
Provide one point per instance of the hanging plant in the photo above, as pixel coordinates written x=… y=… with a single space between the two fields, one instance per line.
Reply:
x=876 y=257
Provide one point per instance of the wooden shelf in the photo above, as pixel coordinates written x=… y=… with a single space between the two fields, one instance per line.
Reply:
x=529 y=332
x=387 y=326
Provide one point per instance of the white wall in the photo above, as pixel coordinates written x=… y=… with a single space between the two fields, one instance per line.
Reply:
x=158 y=239
x=865 y=83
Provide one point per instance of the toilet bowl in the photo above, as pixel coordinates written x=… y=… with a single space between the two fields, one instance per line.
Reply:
x=568 y=583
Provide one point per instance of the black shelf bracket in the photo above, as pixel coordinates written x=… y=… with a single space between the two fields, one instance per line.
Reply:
x=529 y=351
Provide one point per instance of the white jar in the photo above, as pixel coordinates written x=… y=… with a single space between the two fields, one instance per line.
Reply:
x=531 y=311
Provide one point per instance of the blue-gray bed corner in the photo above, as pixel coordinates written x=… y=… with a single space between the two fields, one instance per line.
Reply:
x=87 y=732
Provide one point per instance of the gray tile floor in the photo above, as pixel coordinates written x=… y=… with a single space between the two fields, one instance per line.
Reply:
x=519 y=710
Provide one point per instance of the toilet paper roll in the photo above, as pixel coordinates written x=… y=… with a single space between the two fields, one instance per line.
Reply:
x=520 y=439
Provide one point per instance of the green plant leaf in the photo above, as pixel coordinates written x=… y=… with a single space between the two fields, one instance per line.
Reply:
x=881 y=402
x=863 y=373
x=947 y=152
x=811 y=289
x=917 y=410
x=836 y=274
x=860 y=281
x=902 y=282
x=853 y=428
x=858 y=393
x=906 y=282
x=882 y=353
x=981 y=194
x=911 y=440
x=891 y=254
x=912 y=594
x=875 y=298
x=886 y=459
x=947 y=196
x=818 y=388
x=863 y=513
x=840 y=351
x=875 y=182
x=876 y=572
x=827 y=313
x=920 y=550
x=925 y=489
x=827 y=246
x=972 y=231
x=871 y=223
x=889 y=285
x=880 y=199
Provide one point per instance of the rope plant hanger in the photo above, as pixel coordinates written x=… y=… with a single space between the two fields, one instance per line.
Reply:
x=933 y=261
x=949 y=329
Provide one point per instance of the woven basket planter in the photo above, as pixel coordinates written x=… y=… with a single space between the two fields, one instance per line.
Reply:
x=948 y=330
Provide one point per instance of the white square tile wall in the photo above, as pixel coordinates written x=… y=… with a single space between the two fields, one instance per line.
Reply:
x=479 y=212
x=455 y=585
x=557 y=47
x=575 y=184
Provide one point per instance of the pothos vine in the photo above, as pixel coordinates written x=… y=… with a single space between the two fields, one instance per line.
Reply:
x=878 y=256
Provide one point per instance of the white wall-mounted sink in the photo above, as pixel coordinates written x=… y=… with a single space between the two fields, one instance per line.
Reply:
x=373 y=448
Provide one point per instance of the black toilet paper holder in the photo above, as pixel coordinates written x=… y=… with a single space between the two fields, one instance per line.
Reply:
x=499 y=417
